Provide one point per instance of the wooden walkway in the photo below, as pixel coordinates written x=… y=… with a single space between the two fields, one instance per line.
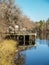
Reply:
x=23 y=39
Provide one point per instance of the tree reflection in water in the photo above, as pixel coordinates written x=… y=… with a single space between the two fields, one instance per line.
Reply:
x=20 y=56
x=19 y=59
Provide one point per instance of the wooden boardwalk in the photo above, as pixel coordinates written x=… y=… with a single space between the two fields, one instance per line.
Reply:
x=22 y=39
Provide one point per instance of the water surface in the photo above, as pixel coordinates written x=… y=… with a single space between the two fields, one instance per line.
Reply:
x=38 y=55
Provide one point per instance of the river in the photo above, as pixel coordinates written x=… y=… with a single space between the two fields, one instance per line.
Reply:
x=38 y=55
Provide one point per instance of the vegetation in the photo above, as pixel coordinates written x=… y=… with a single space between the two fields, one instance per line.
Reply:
x=7 y=52
x=11 y=15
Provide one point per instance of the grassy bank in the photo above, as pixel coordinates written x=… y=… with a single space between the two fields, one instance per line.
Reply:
x=7 y=52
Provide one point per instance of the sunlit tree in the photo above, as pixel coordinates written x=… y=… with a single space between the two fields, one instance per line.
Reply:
x=11 y=13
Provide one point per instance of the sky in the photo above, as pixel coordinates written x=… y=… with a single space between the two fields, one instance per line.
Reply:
x=35 y=9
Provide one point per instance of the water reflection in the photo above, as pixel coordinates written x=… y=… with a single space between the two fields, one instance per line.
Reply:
x=37 y=54
x=20 y=59
x=43 y=41
x=40 y=55
x=43 y=36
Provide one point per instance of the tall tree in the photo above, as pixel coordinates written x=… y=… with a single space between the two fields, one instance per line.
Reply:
x=12 y=14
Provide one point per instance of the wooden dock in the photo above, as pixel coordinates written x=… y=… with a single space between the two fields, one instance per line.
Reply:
x=22 y=39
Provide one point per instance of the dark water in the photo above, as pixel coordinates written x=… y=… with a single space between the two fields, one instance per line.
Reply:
x=38 y=55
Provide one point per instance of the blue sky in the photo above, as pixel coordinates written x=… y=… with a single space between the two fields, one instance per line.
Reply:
x=35 y=9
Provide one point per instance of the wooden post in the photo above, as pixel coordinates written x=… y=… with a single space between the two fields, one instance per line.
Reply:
x=35 y=35
x=24 y=40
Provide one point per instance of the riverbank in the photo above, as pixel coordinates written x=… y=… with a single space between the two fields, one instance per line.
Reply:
x=8 y=50
x=25 y=47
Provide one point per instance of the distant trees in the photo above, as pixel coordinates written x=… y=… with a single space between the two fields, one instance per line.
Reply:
x=40 y=24
x=47 y=20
